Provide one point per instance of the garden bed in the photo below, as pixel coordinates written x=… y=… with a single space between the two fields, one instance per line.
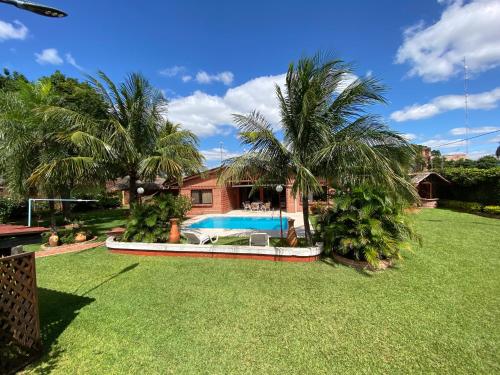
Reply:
x=45 y=246
x=284 y=254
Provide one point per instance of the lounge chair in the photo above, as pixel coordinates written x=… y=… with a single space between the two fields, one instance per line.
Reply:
x=259 y=239
x=266 y=206
x=246 y=206
x=199 y=238
x=255 y=206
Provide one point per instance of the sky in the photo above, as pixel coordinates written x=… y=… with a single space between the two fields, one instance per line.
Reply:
x=216 y=58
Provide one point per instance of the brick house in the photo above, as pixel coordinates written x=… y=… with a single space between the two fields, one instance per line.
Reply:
x=208 y=197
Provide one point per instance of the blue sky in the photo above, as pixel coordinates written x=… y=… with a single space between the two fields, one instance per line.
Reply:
x=216 y=58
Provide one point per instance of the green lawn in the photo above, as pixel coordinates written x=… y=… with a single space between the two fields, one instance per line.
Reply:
x=437 y=312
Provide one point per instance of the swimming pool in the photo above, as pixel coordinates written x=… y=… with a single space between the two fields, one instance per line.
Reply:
x=240 y=222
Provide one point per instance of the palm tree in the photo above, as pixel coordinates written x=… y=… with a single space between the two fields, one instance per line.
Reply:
x=325 y=135
x=41 y=154
x=141 y=143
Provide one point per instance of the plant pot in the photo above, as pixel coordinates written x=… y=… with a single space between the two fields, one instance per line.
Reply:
x=80 y=237
x=175 y=234
x=291 y=236
x=53 y=240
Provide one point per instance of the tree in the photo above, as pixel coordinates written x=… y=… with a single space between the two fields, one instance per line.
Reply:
x=38 y=153
x=326 y=134
x=10 y=81
x=486 y=162
x=142 y=143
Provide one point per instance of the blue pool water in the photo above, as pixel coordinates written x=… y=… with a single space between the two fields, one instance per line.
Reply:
x=241 y=222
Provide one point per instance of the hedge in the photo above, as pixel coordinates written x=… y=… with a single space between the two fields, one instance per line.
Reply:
x=473 y=185
x=473 y=207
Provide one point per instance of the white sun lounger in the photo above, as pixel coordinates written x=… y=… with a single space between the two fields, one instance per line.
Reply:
x=199 y=238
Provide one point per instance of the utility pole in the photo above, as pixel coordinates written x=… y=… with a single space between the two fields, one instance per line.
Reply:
x=466 y=98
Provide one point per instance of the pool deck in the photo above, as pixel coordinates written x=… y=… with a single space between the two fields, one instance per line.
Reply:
x=299 y=223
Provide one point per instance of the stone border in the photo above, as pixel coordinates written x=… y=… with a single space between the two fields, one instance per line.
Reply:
x=360 y=264
x=286 y=254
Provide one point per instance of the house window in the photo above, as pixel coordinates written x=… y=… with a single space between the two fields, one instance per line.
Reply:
x=201 y=196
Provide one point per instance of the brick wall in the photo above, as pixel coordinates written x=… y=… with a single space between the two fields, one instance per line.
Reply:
x=223 y=197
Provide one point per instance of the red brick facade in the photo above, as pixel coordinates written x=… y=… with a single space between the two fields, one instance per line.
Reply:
x=224 y=198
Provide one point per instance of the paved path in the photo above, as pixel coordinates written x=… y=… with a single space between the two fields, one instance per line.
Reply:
x=65 y=249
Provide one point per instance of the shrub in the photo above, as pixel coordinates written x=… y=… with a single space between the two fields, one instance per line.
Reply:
x=461 y=206
x=150 y=222
x=493 y=210
x=11 y=209
x=473 y=184
x=67 y=235
x=365 y=224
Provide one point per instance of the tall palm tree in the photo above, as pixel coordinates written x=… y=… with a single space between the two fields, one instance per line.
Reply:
x=141 y=142
x=325 y=135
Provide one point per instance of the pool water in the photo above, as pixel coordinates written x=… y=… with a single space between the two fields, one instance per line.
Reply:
x=240 y=222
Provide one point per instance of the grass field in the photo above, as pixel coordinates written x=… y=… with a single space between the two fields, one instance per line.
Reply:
x=437 y=312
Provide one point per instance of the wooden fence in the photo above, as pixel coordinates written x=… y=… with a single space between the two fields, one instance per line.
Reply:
x=20 y=340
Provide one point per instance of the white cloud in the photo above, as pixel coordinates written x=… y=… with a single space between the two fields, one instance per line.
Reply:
x=479 y=130
x=172 y=71
x=409 y=136
x=208 y=114
x=494 y=139
x=71 y=60
x=224 y=77
x=15 y=30
x=186 y=78
x=465 y=29
x=214 y=154
x=443 y=143
x=49 y=56
x=440 y=104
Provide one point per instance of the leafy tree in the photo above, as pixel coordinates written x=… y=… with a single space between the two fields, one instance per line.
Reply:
x=326 y=134
x=10 y=81
x=486 y=162
x=40 y=153
x=141 y=143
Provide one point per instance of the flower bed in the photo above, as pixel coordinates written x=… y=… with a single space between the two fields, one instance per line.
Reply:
x=284 y=254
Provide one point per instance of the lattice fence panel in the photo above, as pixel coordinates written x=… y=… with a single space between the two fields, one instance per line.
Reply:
x=19 y=322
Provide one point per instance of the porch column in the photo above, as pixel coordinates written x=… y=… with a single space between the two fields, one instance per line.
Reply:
x=261 y=194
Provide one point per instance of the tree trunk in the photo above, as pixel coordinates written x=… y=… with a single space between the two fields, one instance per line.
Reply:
x=52 y=211
x=132 y=188
x=305 y=214
x=66 y=206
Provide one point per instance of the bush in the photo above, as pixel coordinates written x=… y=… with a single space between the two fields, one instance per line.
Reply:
x=67 y=235
x=150 y=222
x=365 y=225
x=493 y=210
x=11 y=209
x=461 y=205
x=473 y=184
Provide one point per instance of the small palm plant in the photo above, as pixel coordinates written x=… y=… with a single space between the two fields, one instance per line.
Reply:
x=366 y=224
